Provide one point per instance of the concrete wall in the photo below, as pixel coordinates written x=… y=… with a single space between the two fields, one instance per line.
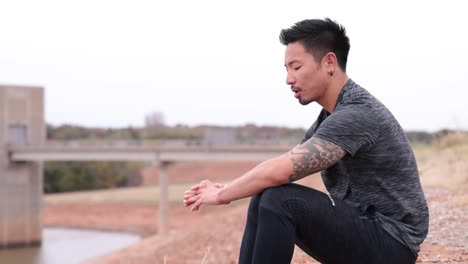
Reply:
x=21 y=183
x=22 y=106
x=21 y=206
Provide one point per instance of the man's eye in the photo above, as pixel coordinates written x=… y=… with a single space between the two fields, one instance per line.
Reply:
x=297 y=68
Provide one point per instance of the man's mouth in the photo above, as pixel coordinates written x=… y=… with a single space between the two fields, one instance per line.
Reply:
x=296 y=92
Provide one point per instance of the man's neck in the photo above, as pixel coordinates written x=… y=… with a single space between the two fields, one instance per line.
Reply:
x=328 y=101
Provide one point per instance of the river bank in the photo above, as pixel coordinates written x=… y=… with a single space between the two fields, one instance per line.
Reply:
x=214 y=234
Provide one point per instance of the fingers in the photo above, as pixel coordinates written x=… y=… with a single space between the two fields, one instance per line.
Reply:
x=189 y=194
x=187 y=198
x=196 y=187
x=205 y=184
x=197 y=205
x=208 y=182
x=202 y=184
x=192 y=192
x=190 y=200
x=194 y=196
x=195 y=200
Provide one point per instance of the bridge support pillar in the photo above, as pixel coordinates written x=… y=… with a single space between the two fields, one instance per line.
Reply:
x=20 y=203
x=163 y=226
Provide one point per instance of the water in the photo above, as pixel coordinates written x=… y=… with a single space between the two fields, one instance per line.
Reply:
x=64 y=245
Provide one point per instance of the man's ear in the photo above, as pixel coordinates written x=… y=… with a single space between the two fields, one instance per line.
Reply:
x=330 y=62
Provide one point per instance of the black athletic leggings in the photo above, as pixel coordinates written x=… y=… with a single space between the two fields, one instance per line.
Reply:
x=329 y=230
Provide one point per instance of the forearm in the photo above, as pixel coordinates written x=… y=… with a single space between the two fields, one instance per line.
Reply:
x=312 y=156
x=267 y=174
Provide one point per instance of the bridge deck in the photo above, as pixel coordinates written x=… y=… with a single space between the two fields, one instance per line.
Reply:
x=141 y=153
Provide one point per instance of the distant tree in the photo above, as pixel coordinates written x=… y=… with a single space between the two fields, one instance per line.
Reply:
x=154 y=124
x=154 y=119
x=133 y=133
x=75 y=176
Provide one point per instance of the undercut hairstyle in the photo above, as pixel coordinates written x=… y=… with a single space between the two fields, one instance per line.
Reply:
x=319 y=36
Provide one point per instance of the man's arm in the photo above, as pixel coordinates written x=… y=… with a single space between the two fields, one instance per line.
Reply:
x=312 y=156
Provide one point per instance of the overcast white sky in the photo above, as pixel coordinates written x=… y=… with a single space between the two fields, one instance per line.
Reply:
x=108 y=63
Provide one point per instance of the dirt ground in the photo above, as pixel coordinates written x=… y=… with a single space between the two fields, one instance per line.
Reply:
x=197 y=171
x=213 y=234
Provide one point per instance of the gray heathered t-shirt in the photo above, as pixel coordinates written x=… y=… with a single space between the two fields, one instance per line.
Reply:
x=379 y=173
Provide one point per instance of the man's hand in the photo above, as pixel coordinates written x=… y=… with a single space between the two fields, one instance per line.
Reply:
x=205 y=192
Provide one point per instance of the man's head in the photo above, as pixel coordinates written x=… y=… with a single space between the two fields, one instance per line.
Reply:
x=316 y=52
x=318 y=38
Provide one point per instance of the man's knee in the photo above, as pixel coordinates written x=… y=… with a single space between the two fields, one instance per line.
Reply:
x=272 y=198
x=282 y=198
x=254 y=203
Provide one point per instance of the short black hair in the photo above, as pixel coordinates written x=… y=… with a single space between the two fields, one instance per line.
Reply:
x=319 y=36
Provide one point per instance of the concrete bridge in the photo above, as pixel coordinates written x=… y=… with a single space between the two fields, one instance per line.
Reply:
x=23 y=149
x=22 y=213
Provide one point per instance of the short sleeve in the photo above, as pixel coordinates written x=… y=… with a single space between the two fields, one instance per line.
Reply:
x=352 y=128
x=309 y=133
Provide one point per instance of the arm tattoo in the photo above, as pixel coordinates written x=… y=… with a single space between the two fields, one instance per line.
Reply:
x=314 y=155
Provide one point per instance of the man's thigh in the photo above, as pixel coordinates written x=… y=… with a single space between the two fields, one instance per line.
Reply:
x=332 y=231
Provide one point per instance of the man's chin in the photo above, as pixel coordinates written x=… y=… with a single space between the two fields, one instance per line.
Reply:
x=304 y=102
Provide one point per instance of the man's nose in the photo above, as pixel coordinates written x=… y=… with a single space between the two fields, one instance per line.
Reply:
x=290 y=79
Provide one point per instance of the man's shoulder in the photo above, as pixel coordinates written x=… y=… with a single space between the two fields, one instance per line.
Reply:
x=358 y=100
x=354 y=95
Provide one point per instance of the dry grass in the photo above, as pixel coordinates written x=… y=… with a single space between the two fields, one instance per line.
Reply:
x=445 y=163
x=459 y=201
